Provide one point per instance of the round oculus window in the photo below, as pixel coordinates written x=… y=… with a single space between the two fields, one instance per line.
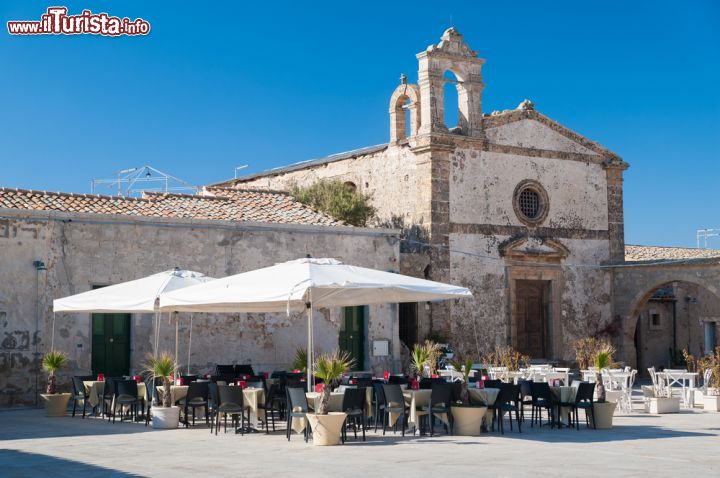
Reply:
x=530 y=202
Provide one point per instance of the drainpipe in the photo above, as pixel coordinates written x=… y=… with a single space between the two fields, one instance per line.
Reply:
x=39 y=267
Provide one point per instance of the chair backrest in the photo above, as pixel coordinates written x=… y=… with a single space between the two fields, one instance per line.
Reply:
x=398 y=379
x=228 y=395
x=244 y=369
x=353 y=399
x=225 y=370
x=293 y=382
x=540 y=390
x=456 y=390
x=509 y=393
x=393 y=394
x=525 y=388
x=427 y=383
x=78 y=385
x=379 y=392
x=363 y=381
x=127 y=388
x=110 y=387
x=297 y=399
x=653 y=376
x=278 y=374
x=441 y=394
x=585 y=392
x=198 y=390
x=213 y=394
x=188 y=379
x=493 y=383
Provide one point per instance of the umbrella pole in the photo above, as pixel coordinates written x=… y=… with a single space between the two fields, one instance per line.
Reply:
x=308 y=306
x=177 y=337
x=190 y=343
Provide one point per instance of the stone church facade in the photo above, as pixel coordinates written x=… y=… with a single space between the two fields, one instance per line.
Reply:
x=512 y=204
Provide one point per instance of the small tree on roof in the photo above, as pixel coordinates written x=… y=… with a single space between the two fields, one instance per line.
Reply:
x=337 y=200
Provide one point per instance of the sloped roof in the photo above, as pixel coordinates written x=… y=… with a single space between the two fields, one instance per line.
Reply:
x=211 y=203
x=659 y=253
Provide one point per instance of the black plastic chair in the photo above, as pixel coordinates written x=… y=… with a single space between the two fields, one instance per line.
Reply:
x=79 y=392
x=107 y=396
x=188 y=379
x=244 y=369
x=275 y=401
x=542 y=398
x=197 y=397
x=231 y=401
x=126 y=393
x=493 y=383
x=379 y=402
x=508 y=400
x=440 y=402
x=213 y=404
x=297 y=407
x=394 y=403
x=227 y=370
x=354 y=406
x=427 y=383
x=583 y=399
x=525 y=396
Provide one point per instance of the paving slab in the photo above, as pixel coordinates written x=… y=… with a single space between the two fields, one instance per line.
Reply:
x=684 y=444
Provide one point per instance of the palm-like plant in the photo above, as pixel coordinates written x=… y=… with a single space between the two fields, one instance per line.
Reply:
x=162 y=366
x=300 y=360
x=418 y=359
x=51 y=363
x=465 y=368
x=330 y=368
x=603 y=358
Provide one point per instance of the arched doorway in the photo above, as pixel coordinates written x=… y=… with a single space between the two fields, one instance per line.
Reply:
x=672 y=317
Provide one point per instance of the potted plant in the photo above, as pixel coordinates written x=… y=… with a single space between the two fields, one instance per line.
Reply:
x=327 y=426
x=602 y=409
x=165 y=415
x=300 y=360
x=467 y=416
x=710 y=367
x=55 y=403
x=418 y=359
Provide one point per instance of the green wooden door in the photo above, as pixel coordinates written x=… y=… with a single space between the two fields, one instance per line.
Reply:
x=352 y=334
x=111 y=344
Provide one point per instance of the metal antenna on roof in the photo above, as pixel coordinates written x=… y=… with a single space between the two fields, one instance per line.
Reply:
x=136 y=181
x=704 y=234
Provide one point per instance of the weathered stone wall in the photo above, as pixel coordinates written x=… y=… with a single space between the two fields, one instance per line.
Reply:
x=81 y=251
x=388 y=176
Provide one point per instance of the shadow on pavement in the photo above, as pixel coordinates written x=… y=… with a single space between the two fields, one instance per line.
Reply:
x=21 y=463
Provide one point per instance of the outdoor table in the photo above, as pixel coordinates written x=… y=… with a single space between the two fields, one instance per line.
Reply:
x=685 y=379
x=565 y=395
x=485 y=396
x=251 y=396
x=95 y=389
x=417 y=399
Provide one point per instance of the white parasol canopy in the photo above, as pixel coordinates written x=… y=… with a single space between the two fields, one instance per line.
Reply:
x=135 y=296
x=304 y=284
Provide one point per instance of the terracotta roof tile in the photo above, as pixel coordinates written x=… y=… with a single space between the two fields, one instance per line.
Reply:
x=659 y=253
x=212 y=203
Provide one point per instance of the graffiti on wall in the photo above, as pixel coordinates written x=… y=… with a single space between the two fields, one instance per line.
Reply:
x=10 y=230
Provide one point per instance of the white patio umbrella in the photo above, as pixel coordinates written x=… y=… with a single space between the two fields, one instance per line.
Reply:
x=135 y=296
x=305 y=284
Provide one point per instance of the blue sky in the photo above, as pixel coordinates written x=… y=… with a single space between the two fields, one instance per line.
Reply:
x=272 y=83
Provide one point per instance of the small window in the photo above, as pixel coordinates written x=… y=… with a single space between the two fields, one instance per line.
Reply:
x=529 y=203
x=655 y=322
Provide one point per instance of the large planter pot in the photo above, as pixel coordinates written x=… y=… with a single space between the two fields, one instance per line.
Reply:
x=603 y=415
x=165 y=418
x=56 y=404
x=326 y=429
x=661 y=405
x=467 y=421
x=711 y=403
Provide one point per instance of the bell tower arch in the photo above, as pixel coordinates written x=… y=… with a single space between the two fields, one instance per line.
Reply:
x=451 y=54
